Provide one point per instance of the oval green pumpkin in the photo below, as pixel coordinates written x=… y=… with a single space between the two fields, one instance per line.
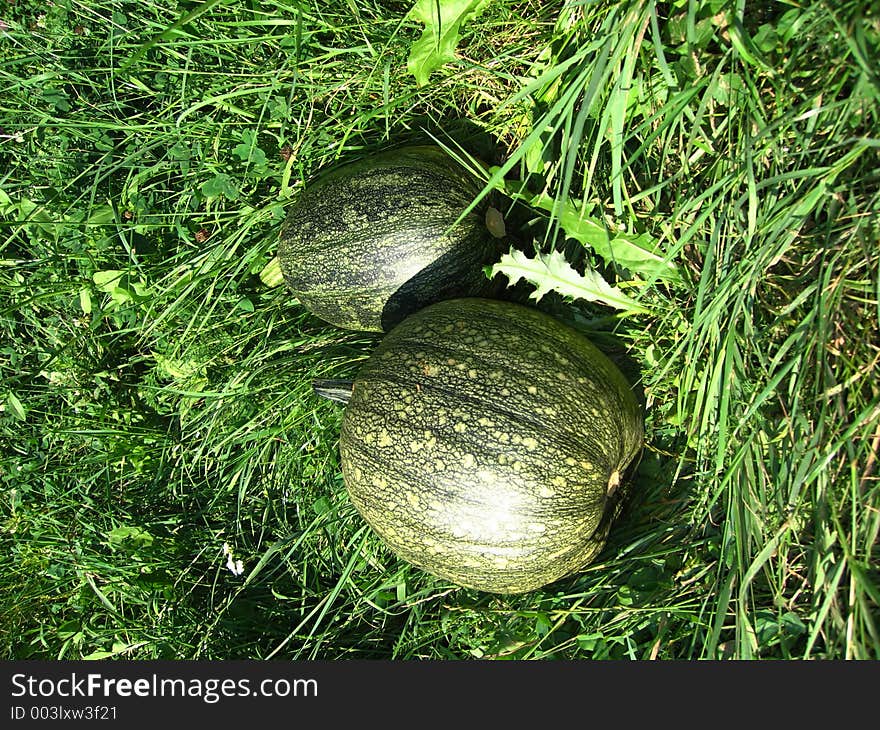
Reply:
x=370 y=242
x=481 y=441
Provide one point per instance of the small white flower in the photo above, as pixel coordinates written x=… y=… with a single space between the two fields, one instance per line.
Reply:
x=236 y=567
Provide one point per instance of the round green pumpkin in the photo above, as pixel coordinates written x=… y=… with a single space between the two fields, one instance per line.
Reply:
x=370 y=242
x=481 y=441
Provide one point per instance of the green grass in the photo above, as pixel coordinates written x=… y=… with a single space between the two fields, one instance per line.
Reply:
x=155 y=395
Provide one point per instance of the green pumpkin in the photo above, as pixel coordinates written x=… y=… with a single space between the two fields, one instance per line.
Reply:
x=481 y=441
x=370 y=242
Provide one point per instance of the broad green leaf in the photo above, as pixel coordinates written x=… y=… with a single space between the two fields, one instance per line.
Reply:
x=249 y=151
x=175 y=368
x=220 y=184
x=117 y=649
x=136 y=536
x=121 y=288
x=551 y=272
x=101 y=215
x=85 y=301
x=443 y=20
x=15 y=406
x=107 y=280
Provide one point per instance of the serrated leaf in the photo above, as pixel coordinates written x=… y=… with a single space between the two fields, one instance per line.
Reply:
x=639 y=253
x=552 y=272
x=443 y=20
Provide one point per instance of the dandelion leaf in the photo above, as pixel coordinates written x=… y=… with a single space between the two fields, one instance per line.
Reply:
x=552 y=272
x=436 y=46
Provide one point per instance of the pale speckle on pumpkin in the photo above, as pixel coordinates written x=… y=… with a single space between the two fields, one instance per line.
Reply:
x=384 y=439
x=546 y=492
x=468 y=461
x=532 y=390
x=537 y=527
x=460 y=427
x=530 y=443
x=559 y=481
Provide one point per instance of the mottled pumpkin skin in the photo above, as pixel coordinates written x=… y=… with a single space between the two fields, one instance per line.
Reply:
x=368 y=243
x=481 y=441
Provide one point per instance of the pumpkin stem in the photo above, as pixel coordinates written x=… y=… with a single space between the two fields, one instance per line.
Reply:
x=613 y=482
x=495 y=222
x=338 y=390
